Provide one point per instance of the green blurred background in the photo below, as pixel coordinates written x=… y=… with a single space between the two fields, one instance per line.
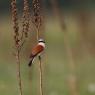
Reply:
x=74 y=47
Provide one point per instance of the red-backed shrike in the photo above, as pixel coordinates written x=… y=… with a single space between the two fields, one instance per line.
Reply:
x=38 y=49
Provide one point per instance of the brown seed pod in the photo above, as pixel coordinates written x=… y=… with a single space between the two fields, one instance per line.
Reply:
x=37 y=17
x=26 y=18
x=15 y=22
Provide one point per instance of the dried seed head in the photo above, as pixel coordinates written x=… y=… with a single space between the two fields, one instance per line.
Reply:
x=37 y=17
x=15 y=22
x=26 y=18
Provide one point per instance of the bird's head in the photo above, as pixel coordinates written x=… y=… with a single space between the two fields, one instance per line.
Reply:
x=41 y=40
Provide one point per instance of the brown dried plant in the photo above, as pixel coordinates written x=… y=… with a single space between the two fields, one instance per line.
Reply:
x=37 y=20
x=26 y=19
x=19 y=37
x=72 y=78
x=15 y=23
x=37 y=16
x=17 y=41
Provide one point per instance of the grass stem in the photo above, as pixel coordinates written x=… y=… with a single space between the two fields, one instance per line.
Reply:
x=19 y=72
x=41 y=80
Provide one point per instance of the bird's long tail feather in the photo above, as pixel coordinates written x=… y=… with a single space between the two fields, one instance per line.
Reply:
x=31 y=62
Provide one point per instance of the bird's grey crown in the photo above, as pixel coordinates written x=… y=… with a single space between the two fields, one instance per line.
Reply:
x=41 y=40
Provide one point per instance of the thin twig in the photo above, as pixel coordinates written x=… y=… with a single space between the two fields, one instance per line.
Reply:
x=18 y=71
x=41 y=80
x=40 y=68
x=37 y=34
x=30 y=80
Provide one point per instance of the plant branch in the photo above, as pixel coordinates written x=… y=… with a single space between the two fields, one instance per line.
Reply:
x=41 y=80
x=18 y=71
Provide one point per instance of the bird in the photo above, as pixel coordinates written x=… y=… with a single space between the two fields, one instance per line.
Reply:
x=37 y=50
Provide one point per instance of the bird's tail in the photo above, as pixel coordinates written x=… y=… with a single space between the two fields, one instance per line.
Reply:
x=31 y=61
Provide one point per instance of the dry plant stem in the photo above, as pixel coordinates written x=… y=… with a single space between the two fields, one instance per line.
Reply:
x=37 y=17
x=30 y=80
x=25 y=18
x=37 y=21
x=41 y=80
x=37 y=34
x=17 y=40
x=40 y=68
x=18 y=71
x=72 y=78
x=72 y=81
x=66 y=39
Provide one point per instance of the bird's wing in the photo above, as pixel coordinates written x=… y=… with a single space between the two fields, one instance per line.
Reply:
x=36 y=50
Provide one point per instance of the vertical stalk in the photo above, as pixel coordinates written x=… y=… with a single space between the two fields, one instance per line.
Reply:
x=72 y=81
x=37 y=21
x=72 y=76
x=30 y=80
x=40 y=72
x=17 y=41
x=40 y=68
x=18 y=72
